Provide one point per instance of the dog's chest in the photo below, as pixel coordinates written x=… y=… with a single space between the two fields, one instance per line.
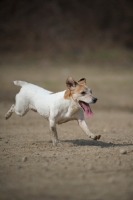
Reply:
x=66 y=113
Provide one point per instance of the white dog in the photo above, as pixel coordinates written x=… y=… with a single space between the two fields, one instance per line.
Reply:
x=58 y=108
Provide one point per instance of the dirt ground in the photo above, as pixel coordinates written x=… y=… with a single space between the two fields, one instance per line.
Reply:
x=31 y=168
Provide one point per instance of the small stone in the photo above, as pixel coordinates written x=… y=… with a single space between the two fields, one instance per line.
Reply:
x=111 y=180
x=19 y=167
x=119 y=162
x=81 y=175
x=90 y=167
x=123 y=151
x=24 y=159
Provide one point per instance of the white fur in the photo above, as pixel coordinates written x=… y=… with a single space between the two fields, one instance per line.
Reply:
x=52 y=106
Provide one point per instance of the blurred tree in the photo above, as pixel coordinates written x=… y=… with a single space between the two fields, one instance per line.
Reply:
x=38 y=24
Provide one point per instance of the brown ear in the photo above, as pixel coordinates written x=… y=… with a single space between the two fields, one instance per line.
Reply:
x=70 y=83
x=82 y=81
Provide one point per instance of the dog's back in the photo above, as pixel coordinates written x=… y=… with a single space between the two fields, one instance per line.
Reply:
x=31 y=86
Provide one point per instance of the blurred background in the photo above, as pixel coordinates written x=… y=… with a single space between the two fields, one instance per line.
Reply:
x=62 y=26
x=59 y=27
x=45 y=41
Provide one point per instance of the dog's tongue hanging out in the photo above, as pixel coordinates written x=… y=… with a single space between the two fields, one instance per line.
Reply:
x=87 y=110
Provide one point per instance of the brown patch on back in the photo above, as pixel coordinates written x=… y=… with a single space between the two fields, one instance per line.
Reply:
x=67 y=94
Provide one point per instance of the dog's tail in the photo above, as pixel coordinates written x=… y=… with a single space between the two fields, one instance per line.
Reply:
x=20 y=83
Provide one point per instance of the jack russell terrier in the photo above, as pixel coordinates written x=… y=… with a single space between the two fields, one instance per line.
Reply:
x=59 y=107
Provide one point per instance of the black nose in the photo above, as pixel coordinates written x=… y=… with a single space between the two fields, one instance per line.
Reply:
x=94 y=100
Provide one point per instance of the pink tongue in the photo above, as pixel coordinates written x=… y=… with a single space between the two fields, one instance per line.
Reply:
x=87 y=110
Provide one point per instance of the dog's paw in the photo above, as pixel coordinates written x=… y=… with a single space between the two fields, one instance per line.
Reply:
x=97 y=137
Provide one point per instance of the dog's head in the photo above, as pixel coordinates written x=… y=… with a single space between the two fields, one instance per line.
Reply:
x=81 y=94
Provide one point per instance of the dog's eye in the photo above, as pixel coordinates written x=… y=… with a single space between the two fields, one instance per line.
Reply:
x=83 y=93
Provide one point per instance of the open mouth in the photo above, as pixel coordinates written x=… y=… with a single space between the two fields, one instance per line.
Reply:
x=86 y=107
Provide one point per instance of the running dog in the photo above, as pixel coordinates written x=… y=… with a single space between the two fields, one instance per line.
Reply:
x=58 y=108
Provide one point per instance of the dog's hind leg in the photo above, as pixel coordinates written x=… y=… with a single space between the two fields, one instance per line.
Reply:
x=10 y=111
x=16 y=108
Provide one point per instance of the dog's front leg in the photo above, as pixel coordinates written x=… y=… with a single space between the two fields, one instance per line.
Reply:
x=53 y=132
x=85 y=128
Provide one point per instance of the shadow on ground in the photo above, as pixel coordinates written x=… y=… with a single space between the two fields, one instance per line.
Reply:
x=83 y=142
